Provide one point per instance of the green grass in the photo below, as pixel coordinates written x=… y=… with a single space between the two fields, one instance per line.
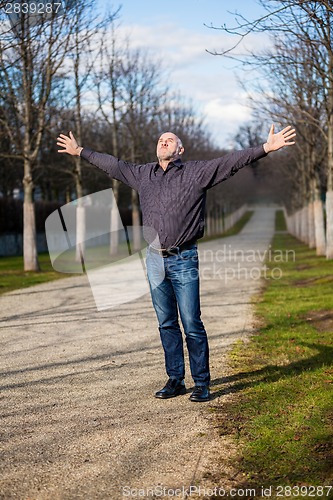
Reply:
x=13 y=277
x=281 y=410
x=280 y=222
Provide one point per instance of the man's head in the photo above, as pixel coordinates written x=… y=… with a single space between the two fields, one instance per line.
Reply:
x=169 y=147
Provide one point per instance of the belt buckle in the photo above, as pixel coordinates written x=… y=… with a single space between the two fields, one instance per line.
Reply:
x=172 y=251
x=163 y=252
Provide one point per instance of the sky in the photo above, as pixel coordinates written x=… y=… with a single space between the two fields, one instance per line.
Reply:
x=174 y=31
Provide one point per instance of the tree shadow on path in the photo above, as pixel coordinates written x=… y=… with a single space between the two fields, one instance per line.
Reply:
x=272 y=373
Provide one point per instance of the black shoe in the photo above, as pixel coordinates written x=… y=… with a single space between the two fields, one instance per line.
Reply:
x=172 y=388
x=200 y=393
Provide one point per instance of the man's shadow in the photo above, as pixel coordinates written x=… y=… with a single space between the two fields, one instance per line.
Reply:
x=272 y=373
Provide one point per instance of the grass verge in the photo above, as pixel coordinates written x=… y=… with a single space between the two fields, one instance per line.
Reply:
x=281 y=409
x=13 y=277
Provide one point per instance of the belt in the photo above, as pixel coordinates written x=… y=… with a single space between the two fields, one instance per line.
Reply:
x=163 y=252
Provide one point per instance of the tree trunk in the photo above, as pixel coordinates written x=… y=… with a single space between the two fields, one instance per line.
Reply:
x=136 y=224
x=136 y=221
x=305 y=224
x=80 y=232
x=208 y=223
x=115 y=223
x=298 y=224
x=319 y=227
x=329 y=194
x=214 y=220
x=291 y=224
x=311 y=225
x=329 y=225
x=30 y=255
x=80 y=214
x=220 y=224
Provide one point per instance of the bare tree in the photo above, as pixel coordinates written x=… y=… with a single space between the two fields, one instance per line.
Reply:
x=142 y=93
x=308 y=24
x=296 y=94
x=30 y=56
x=137 y=106
x=87 y=30
x=130 y=92
x=33 y=55
x=108 y=83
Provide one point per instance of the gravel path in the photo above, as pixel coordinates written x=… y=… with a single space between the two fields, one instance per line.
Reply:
x=78 y=416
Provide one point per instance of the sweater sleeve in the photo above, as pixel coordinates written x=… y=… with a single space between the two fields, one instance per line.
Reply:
x=128 y=173
x=213 y=172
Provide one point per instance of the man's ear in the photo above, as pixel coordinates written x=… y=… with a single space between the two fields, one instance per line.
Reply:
x=181 y=150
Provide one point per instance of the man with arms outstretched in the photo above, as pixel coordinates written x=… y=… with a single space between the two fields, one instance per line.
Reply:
x=172 y=197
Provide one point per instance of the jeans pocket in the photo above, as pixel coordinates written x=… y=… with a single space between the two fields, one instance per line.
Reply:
x=190 y=254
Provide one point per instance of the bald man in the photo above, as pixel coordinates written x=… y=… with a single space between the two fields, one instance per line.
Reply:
x=172 y=197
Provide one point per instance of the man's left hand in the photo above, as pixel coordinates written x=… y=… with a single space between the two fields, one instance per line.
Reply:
x=279 y=140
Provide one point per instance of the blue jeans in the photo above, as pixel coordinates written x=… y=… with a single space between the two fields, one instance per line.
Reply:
x=174 y=286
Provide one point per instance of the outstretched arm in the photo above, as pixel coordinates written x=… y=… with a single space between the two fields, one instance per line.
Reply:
x=115 y=168
x=279 y=140
x=213 y=172
x=69 y=144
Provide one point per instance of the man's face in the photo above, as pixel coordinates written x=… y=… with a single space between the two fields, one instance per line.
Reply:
x=168 y=147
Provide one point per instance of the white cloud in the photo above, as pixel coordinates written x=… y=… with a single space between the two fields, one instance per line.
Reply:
x=224 y=119
x=217 y=109
x=177 y=46
x=209 y=81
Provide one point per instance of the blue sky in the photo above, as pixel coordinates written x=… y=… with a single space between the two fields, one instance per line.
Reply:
x=174 y=32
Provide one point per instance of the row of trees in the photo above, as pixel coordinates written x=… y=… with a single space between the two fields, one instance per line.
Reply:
x=296 y=86
x=71 y=72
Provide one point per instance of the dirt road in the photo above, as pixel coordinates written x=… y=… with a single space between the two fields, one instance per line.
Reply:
x=78 y=415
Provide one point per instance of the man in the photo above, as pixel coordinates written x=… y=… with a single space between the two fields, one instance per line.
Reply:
x=172 y=196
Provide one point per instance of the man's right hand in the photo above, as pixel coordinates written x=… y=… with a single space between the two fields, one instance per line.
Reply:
x=69 y=144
